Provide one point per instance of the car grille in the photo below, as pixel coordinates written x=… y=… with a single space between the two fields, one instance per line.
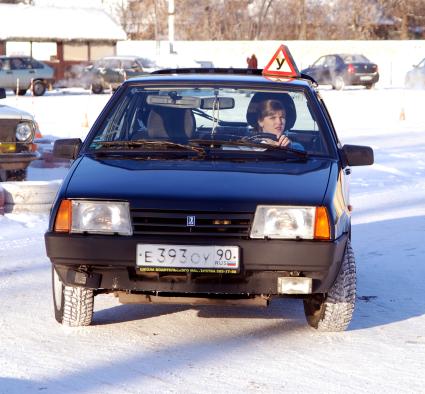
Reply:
x=7 y=130
x=223 y=224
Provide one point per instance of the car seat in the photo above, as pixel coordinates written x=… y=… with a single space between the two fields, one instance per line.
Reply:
x=284 y=98
x=175 y=124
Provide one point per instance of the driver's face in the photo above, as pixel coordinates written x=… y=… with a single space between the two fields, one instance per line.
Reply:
x=273 y=123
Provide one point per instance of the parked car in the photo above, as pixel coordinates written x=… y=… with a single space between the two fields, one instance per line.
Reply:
x=112 y=71
x=415 y=78
x=17 y=150
x=340 y=70
x=21 y=73
x=176 y=196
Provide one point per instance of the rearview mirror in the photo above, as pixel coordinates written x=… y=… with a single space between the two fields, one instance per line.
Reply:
x=2 y=93
x=175 y=102
x=357 y=155
x=67 y=148
x=217 y=103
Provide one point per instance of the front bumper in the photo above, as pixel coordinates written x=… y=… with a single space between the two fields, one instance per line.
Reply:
x=18 y=160
x=109 y=262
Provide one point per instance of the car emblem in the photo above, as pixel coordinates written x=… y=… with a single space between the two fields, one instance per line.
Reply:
x=190 y=221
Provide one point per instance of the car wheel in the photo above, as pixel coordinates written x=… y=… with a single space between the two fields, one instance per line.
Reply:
x=97 y=88
x=369 y=86
x=38 y=88
x=338 y=83
x=333 y=311
x=20 y=92
x=16 y=175
x=73 y=305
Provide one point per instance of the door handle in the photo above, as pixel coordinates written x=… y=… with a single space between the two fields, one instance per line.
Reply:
x=32 y=72
x=8 y=72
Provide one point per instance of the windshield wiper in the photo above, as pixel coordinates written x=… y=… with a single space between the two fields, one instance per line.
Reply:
x=264 y=148
x=148 y=145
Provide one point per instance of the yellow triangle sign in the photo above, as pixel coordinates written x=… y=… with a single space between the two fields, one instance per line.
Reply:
x=282 y=64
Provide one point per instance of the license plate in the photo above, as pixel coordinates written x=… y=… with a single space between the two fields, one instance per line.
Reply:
x=187 y=258
x=365 y=78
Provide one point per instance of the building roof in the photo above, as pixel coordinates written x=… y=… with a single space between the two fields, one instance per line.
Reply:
x=43 y=23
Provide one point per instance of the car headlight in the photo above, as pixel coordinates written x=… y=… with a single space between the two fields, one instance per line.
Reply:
x=290 y=222
x=97 y=217
x=24 y=131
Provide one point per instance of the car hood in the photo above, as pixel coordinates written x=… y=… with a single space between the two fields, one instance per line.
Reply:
x=7 y=112
x=200 y=185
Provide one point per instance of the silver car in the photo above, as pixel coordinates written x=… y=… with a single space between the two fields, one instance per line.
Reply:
x=17 y=149
x=21 y=73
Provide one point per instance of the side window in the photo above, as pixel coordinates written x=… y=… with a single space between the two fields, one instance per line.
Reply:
x=114 y=63
x=320 y=62
x=330 y=61
x=6 y=64
x=32 y=63
x=17 y=64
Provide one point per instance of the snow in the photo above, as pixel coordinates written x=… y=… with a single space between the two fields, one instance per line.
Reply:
x=50 y=22
x=137 y=348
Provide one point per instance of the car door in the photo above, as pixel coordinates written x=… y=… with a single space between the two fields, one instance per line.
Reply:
x=318 y=71
x=7 y=80
x=21 y=73
x=330 y=69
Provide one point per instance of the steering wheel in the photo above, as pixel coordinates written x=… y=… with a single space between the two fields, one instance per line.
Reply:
x=261 y=137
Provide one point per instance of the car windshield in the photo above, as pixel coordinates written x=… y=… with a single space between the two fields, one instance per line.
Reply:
x=224 y=119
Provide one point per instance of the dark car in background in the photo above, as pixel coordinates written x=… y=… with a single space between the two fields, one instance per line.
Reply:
x=415 y=78
x=17 y=150
x=21 y=73
x=340 y=70
x=110 y=72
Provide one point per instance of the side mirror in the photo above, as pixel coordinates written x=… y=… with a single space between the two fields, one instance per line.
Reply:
x=2 y=93
x=67 y=148
x=357 y=155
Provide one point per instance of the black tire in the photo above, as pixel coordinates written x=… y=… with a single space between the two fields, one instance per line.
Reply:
x=369 y=86
x=333 y=311
x=16 y=175
x=338 y=83
x=73 y=305
x=20 y=92
x=97 y=88
x=38 y=88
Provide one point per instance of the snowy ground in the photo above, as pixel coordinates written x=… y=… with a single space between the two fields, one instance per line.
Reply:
x=138 y=349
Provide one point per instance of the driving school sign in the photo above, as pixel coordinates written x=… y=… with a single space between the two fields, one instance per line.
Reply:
x=282 y=64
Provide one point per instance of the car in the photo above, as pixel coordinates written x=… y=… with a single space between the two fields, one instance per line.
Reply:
x=415 y=78
x=17 y=149
x=175 y=196
x=110 y=72
x=21 y=73
x=340 y=70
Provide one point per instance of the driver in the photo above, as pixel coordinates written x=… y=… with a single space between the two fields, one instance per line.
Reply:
x=271 y=118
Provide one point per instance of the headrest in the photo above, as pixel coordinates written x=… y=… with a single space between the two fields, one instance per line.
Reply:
x=177 y=124
x=284 y=98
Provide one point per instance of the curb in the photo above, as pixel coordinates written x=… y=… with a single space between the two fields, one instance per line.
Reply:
x=28 y=196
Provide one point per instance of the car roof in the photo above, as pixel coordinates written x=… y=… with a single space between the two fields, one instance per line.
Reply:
x=224 y=75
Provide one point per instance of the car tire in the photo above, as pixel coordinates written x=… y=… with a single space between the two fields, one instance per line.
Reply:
x=333 y=311
x=20 y=92
x=73 y=305
x=369 y=86
x=16 y=175
x=338 y=83
x=38 y=88
x=97 y=88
